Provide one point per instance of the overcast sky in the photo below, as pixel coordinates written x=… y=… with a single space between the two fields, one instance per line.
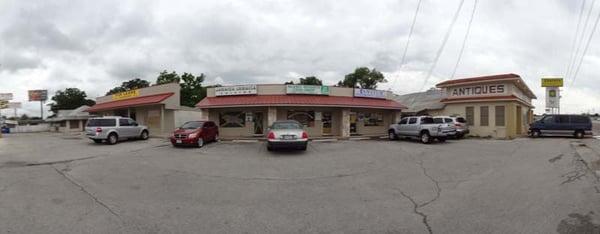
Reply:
x=96 y=45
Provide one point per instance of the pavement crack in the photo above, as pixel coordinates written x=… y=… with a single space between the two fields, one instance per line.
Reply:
x=84 y=190
x=416 y=207
x=438 y=190
x=256 y=178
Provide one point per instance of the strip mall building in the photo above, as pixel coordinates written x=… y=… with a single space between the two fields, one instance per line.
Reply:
x=497 y=106
x=248 y=110
x=157 y=107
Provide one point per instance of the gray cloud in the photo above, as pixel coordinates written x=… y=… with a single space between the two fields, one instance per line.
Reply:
x=97 y=45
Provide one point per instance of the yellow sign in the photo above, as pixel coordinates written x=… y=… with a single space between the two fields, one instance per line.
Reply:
x=552 y=82
x=126 y=94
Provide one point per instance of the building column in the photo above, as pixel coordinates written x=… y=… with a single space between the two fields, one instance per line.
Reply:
x=271 y=115
x=397 y=116
x=162 y=119
x=205 y=115
x=345 y=128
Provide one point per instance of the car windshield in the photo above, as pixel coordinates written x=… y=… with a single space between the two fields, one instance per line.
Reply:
x=101 y=123
x=192 y=125
x=286 y=125
x=461 y=120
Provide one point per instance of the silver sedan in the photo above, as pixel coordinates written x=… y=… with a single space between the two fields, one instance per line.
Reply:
x=287 y=134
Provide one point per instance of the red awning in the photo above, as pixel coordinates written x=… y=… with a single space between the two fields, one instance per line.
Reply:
x=131 y=102
x=298 y=100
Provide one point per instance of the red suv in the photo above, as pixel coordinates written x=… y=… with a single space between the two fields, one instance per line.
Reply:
x=195 y=133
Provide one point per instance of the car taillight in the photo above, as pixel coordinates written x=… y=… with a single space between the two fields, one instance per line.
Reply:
x=304 y=135
x=457 y=125
x=271 y=135
x=98 y=129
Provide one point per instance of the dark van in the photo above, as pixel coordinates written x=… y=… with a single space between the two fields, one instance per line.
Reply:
x=573 y=125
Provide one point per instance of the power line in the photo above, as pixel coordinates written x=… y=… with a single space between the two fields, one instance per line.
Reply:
x=580 y=42
x=462 y=48
x=441 y=49
x=568 y=71
x=585 y=49
x=410 y=32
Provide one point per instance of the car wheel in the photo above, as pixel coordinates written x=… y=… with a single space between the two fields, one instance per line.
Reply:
x=535 y=133
x=304 y=147
x=392 y=135
x=579 y=134
x=425 y=138
x=112 y=139
x=144 y=135
x=269 y=148
x=200 y=142
x=97 y=141
x=442 y=139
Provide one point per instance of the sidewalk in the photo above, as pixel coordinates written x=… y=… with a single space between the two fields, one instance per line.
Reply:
x=589 y=152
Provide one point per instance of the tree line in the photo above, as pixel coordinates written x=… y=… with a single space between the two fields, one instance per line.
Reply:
x=362 y=77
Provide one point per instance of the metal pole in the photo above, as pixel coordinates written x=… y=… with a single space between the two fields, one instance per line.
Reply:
x=42 y=109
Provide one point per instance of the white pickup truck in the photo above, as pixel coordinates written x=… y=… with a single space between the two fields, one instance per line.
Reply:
x=421 y=127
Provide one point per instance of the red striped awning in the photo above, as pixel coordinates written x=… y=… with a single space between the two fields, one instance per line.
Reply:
x=131 y=102
x=298 y=100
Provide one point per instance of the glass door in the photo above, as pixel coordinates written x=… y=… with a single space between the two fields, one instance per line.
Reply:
x=258 y=123
x=353 y=121
x=326 y=119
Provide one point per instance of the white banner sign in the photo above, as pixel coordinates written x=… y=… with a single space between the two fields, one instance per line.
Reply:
x=236 y=90
x=14 y=105
x=6 y=96
x=369 y=93
x=552 y=97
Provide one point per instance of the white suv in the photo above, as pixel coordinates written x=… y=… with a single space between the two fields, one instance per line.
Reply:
x=114 y=128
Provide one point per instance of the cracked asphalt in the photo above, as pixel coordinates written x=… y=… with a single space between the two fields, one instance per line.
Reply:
x=50 y=183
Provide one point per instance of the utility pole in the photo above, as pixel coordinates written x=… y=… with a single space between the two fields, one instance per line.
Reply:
x=42 y=109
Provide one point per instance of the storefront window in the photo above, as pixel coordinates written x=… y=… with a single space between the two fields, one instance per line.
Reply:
x=500 y=116
x=373 y=119
x=470 y=114
x=306 y=118
x=232 y=119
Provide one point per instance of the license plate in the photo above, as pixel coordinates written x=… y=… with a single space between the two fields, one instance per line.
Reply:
x=178 y=141
x=288 y=137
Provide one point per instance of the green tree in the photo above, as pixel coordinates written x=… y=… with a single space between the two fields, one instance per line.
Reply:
x=24 y=117
x=363 y=77
x=69 y=99
x=309 y=80
x=164 y=77
x=136 y=83
x=191 y=89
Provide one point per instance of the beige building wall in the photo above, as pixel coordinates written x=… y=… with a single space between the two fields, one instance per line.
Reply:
x=510 y=112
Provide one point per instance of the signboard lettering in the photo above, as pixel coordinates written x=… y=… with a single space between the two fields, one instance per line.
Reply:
x=307 y=89
x=236 y=90
x=126 y=94
x=478 y=90
x=38 y=95
x=552 y=82
x=369 y=93
x=3 y=104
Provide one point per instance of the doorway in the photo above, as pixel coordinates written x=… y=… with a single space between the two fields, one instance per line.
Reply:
x=257 y=118
x=353 y=121
x=519 y=121
x=326 y=119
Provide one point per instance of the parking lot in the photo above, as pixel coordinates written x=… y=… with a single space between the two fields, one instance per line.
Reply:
x=52 y=183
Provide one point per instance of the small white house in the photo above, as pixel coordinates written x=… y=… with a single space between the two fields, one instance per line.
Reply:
x=70 y=120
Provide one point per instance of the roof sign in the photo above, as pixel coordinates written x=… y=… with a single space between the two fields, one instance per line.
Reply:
x=236 y=90
x=369 y=93
x=307 y=89
x=552 y=82
x=126 y=94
